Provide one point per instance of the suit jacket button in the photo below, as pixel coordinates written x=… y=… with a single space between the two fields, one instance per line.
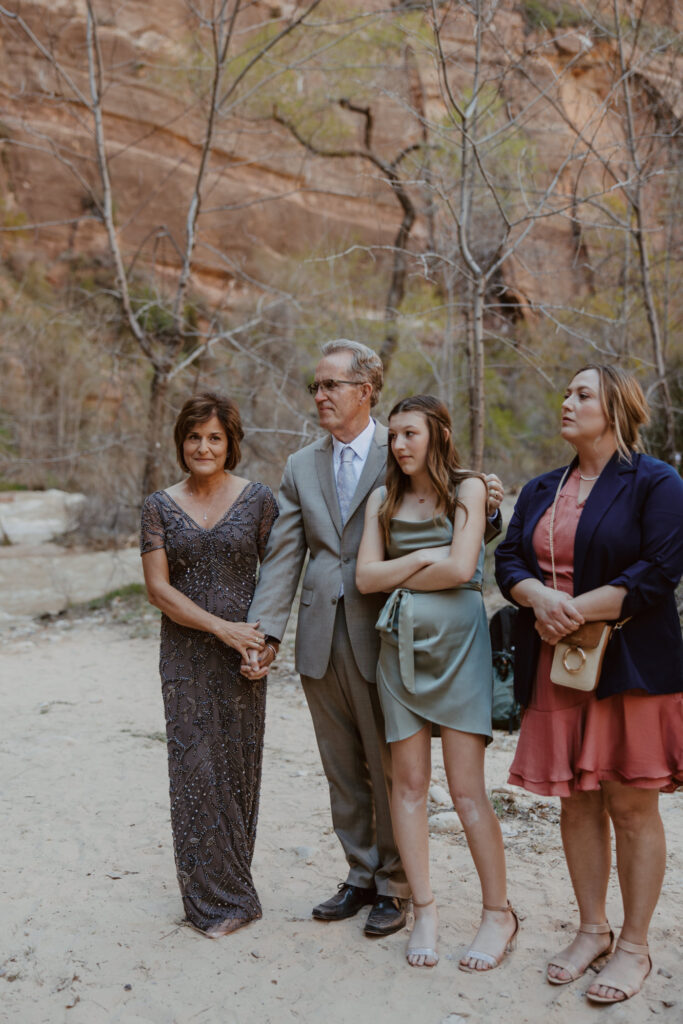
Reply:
x=334 y=600
x=346 y=560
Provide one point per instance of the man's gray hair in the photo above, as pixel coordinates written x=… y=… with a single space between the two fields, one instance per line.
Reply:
x=365 y=363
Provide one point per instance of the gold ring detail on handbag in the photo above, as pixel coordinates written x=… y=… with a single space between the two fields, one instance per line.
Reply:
x=582 y=659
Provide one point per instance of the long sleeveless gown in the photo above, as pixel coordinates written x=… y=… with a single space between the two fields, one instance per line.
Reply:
x=435 y=654
x=215 y=717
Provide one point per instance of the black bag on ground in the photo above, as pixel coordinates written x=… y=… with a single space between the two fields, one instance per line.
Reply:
x=506 y=712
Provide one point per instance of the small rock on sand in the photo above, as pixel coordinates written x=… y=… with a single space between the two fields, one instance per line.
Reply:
x=445 y=821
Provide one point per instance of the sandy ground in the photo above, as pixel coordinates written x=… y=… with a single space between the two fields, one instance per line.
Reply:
x=92 y=928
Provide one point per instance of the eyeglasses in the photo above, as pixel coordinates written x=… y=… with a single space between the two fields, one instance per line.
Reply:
x=328 y=386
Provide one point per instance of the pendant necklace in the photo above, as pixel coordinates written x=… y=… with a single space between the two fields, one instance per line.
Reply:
x=205 y=514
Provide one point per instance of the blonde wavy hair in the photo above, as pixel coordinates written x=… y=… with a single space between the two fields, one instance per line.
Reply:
x=624 y=405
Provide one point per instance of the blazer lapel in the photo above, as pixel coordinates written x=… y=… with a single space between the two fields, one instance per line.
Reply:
x=374 y=465
x=325 y=470
x=611 y=482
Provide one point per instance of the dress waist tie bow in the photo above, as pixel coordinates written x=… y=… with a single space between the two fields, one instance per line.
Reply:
x=397 y=614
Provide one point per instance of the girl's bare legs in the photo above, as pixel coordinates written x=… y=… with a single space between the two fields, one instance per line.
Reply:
x=585 y=832
x=463 y=755
x=411 y=769
x=641 y=859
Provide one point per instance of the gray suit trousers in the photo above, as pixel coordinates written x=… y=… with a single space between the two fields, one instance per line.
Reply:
x=349 y=728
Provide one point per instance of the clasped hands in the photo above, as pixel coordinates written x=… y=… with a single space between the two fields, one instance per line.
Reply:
x=256 y=663
x=556 y=615
x=256 y=649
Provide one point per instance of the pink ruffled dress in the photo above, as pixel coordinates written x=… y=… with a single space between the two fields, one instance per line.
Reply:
x=571 y=741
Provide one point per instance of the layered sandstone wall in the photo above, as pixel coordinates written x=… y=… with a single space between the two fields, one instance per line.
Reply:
x=266 y=201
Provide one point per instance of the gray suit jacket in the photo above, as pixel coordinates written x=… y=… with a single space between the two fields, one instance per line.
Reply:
x=310 y=523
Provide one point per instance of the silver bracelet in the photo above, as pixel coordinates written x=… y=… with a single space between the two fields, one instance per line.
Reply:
x=273 y=649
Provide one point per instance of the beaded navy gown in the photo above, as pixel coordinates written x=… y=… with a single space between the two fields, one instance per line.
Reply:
x=215 y=717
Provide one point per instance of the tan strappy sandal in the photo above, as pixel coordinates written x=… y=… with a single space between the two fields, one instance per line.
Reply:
x=422 y=950
x=565 y=964
x=488 y=958
x=628 y=990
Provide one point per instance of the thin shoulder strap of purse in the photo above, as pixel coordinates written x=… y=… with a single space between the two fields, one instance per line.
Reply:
x=617 y=625
x=552 y=523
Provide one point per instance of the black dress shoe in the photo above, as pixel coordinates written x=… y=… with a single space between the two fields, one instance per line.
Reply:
x=345 y=903
x=387 y=915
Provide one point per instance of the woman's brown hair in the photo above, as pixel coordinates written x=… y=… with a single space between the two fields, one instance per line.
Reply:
x=443 y=462
x=624 y=405
x=201 y=408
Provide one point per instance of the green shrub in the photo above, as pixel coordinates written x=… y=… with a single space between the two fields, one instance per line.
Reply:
x=551 y=14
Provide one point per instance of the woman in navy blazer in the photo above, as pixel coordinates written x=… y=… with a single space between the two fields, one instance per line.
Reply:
x=618 y=549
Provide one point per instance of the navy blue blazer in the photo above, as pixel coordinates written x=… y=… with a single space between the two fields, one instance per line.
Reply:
x=630 y=534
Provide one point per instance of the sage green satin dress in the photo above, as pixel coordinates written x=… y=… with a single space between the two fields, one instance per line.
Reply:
x=435 y=654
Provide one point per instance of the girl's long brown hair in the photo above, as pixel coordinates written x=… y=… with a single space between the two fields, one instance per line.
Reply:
x=443 y=462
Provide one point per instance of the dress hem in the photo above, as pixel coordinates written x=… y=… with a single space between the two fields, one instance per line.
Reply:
x=589 y=782
x=441 y=725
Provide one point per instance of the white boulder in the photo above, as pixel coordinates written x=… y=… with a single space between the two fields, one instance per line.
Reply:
x=438 y=795
x=37 y=517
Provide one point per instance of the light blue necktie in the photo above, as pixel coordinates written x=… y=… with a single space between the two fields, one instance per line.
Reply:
x=346 y=481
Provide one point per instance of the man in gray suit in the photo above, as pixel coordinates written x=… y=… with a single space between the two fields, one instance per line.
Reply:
x=322 y=504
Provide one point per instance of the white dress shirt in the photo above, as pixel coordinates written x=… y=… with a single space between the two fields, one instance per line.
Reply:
x=360 y=447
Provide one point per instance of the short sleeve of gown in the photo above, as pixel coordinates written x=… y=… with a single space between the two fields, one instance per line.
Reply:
x=152 y=533
x=269 y=513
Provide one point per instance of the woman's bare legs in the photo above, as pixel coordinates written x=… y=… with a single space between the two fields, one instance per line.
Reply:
x=411 y=769
x=463 y=755
x=641 y=860
x=584 y=825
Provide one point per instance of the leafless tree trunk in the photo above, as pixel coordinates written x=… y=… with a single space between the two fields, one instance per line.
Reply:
x=478 y=265
x=164 y=352
x=635 y=192
x=390 y=171
x=631 y=170
x=156 y=420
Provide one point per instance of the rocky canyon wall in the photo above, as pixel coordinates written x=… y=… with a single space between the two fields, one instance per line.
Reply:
x=265 y=200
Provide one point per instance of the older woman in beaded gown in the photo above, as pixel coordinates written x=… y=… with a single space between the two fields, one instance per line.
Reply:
x=201 y=543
